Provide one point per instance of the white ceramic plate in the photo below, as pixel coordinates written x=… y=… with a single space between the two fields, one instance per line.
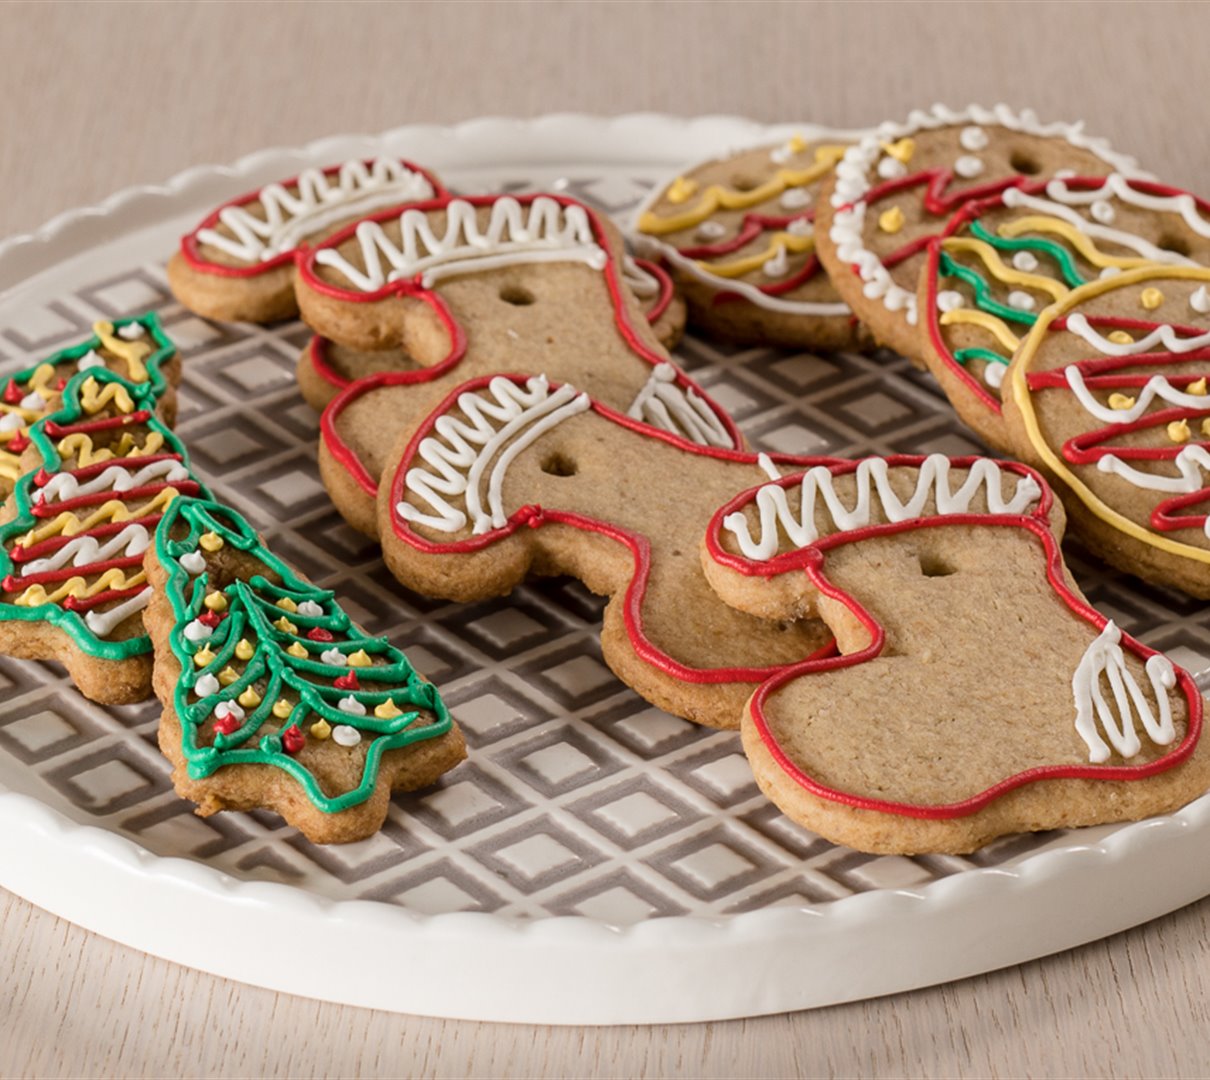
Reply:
x=596 y=861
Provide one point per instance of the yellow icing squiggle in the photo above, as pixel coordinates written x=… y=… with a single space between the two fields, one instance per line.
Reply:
x=1078 y=240
x=94 y=399
x=786 y=241
x=996 y=267
x=133 y=352
x=78 y=587
x=68 y=524
x=998 y=328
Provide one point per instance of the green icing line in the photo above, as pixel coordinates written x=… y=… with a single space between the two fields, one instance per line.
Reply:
x=963 y=355
x=983 y=298
x=252 y=606
x=144 y=397
x=1048 y=247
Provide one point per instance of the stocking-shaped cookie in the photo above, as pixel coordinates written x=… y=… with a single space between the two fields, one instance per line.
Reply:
x=479 y=287
x=272 y=697
x=1000 y=261
x=513 y=476
x=1108 y=395
x=98 y=475
x=325 y=368
x=238 y=264
x=898 y=187
x=134 y=348
x=976 y=693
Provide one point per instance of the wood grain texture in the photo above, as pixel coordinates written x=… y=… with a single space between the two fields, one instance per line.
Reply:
x=100 y=96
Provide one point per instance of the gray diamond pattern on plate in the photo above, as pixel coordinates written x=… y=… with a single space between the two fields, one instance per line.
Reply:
x=579 y=798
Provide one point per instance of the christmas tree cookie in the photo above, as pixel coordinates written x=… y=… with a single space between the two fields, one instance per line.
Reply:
x=272 y=697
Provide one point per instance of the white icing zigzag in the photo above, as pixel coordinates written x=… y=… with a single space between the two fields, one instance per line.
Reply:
x=1119 y=185
x=102 y=623
x=1192 y=465
x=499 y=423
x=664 y=405
x=550 y=233
x=64 y=486
x=86 y=550
x=319 y=203
x=776 y=517
x=1157 y=386
x=1162 y=335
x=1105 y=656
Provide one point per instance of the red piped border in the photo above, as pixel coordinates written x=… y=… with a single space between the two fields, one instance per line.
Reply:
x=811 y=560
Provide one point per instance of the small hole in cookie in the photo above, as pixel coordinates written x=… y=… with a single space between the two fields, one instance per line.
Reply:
x=517 y=296
x=935 y=566
x=1024 y=163
x=1179 y=245
x=557 y=464
x=745 y=182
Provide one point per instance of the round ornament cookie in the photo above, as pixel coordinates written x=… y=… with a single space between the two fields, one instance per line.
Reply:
x=898 y=187
x=1109 y=396
x=238 y=264
x=1001 y=260
x=976 y=693
x=737 y=233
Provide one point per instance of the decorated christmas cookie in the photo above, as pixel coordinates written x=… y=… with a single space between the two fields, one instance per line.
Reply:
x=513 y=476
x=976 y=693
x=899 y=186
x=1108 y=395
x=1001 y=260
x=480 y=287
x=325 y=368
x=272 y=697
x=738 y=234
x=97 y=477
x=134 y=348
x=238 y=264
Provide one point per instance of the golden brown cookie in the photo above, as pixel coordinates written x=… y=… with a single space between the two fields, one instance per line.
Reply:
x=1108 y=395
x=272 y=697
x=976 y=693
x=238 y=264
x=898 y=187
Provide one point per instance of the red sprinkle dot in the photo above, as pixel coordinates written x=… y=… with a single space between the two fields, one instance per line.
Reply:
x=347 y=682
x=12 y=392
x=318 y=633
x=292 y=739
x=18 y=443
x=61 y=384
x=210 y=619
x=226 y=724
x=41 y=478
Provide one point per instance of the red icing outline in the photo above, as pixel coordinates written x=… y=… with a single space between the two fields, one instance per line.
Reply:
x=340 y=451
x=535 y=517
x=191 y=246
x=811 y=560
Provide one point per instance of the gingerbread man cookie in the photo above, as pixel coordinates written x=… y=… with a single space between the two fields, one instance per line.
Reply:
x=238 y=264
x=976 y=693
x=1108 y=395
x=1001 y=260
x=272 y=697
x=898 y=187
x=738 y=235
x=512 y=476
x=477 y=287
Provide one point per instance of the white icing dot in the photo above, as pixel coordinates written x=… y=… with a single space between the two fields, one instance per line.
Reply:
x=890 y=168
x=1022 y=301
x=993 y=374
x=711 y=230
x=949 y=300
x=968 y=166
x=11 y=422
x=778 y=265
x=130 y=332
x=801 y=227
x=1110 y=271
x=33 y=401
x=206 y=685
x=1200 y=300
x=1024 y=260
x=193 y=561
x=333 y=657
x=89 y=360
x=351 y=706
x=1102 y=211
x=197 y=631
x=227 y=708
x=795 y=198
x=344 y=735
x=310 y=609
x=973 y=138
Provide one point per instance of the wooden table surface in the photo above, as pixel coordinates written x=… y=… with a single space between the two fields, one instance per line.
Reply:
x=102 y=95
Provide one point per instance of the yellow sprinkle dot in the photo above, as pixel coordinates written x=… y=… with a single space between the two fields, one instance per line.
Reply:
x=1197 y=388
x=1121 y=401
x=228 y=675
x=360 y=658
x=1151 y=298
x=797 y=144
x=299 y=650
x=901 y=150
x=282 y=708
x=286 y=604
x=216 y=601
x=286 y=626
x=249 y=699
x=244 y=650
x=1120 y=337
x=386 y=711
x=320 y=730
x=681 y=190
x=1178 y=431
x=211 y=541
x=203 y=656
x=891 y=221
